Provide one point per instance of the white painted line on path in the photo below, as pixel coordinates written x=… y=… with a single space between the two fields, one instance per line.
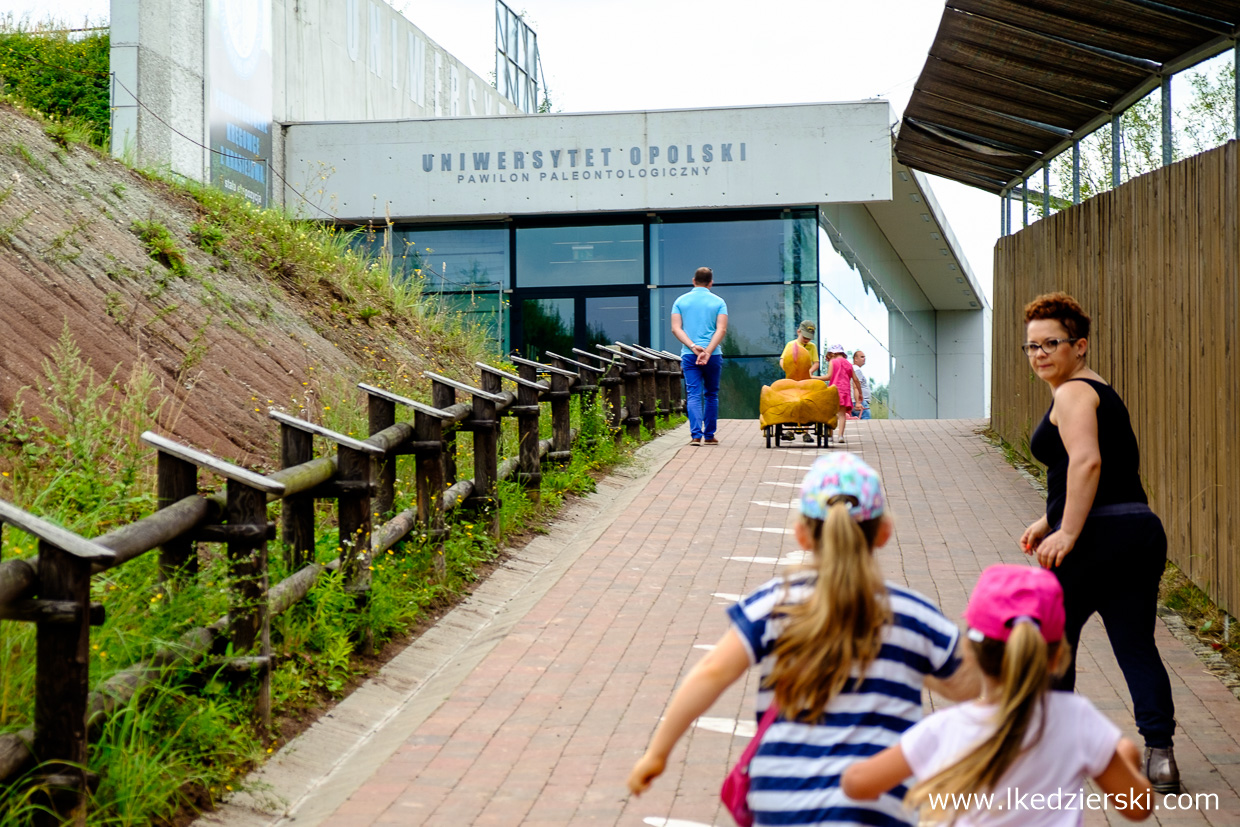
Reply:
x=729 y=597
x=769 y=530
x=728 y=726
x=769 y=504
x=782 y=484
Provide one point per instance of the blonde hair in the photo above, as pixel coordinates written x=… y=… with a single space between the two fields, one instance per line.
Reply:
x=1022 y=666
x=840 y=626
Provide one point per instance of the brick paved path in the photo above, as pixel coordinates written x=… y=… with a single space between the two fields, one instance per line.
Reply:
x=537 y=717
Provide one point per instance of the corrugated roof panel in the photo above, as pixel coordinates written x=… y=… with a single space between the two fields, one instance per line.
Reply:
x=1105 y=28
x=1003 y=131
x=997 y=65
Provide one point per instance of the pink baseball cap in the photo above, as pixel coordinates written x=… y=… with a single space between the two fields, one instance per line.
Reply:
x=1006 y=595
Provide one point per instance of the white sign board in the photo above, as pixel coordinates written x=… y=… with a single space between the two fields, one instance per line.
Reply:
x=676 y=159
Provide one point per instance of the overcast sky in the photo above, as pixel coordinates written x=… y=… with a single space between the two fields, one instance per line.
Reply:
x=608 y=55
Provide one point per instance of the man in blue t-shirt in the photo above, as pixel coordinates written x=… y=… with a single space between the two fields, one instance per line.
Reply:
x=699 y=321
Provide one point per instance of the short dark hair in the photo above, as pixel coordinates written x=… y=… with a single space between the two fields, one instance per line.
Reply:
x=703 y=276
x=1062 y=308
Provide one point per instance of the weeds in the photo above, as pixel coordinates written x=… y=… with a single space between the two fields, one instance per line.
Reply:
x=65 y=133
x=26 y=155
x=8 y=230
x=161 y=246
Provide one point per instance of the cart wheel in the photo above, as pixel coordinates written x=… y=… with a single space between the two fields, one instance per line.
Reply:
x=767 y=433
x=779 y=432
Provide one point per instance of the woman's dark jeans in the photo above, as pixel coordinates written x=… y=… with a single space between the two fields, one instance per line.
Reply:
x=1114 y=569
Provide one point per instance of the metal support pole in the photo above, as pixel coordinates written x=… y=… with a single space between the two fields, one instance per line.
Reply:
x=1115 y=137
x=1167 y=153
x=1076 y=172
x=1046 y=190
x=1024 y=202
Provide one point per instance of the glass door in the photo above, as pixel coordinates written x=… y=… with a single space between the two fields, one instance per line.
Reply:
x=558 y=321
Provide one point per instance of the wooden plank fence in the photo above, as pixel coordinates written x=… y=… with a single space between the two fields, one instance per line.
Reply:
x=1156 y=264
x=52 y=590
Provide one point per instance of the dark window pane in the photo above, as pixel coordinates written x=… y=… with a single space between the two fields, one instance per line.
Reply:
x=580 y=256
x=547 y=324
x=761 y=318
x=740 y=387
x=774 y=249
x=611 y=319
x=444 y=259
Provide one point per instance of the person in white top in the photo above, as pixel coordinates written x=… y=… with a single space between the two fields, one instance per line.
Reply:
x=1019 y=754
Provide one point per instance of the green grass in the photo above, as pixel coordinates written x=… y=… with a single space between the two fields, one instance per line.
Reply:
x=161 y=246
x=191 y=739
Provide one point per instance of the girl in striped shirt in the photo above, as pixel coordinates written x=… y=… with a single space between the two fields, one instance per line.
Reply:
x=843 y=655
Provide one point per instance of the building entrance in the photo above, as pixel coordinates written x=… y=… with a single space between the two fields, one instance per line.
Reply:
x=559 y=320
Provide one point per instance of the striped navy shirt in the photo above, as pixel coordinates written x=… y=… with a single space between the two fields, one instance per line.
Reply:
x=795 y=775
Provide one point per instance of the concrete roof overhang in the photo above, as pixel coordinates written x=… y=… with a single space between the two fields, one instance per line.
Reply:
x=917 y=229
x=1011 y=83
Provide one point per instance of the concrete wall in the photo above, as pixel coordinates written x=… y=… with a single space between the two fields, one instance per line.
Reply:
x=362 y=60
x=963 y=363
x=332 y=60
x=158 y=55
x=912 y=339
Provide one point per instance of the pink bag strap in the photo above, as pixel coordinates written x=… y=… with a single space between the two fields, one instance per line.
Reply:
x=751 y=750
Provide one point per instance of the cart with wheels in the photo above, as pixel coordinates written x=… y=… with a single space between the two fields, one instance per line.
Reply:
x=789 y=408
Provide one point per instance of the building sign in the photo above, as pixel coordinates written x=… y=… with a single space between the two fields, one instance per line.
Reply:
x=239 y=82
x=676 y=159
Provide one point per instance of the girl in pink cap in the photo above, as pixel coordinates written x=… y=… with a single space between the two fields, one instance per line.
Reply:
x=1020 y=753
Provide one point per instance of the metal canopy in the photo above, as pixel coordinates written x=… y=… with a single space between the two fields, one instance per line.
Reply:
x=1010 y=83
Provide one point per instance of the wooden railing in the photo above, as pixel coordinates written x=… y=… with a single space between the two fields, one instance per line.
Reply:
x=52 y=590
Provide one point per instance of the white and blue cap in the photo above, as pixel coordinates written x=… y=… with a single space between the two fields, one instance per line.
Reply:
x=842 y=474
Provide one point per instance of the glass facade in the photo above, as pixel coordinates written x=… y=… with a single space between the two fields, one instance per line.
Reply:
x=582 y=256
x=577 y=285
x=871 y=302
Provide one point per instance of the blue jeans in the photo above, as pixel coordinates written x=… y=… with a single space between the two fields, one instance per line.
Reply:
x=863 y=412
x=702 y=394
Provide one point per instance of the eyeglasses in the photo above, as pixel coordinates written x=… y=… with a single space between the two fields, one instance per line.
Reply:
x=1048 y=347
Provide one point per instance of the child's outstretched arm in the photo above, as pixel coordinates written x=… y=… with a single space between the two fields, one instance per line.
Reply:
x=1122 y=778
x=701 y=688
x=868 y=779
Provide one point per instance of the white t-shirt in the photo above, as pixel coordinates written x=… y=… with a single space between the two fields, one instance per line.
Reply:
x=864 y=383
x=1045 y=786
x=795 y=775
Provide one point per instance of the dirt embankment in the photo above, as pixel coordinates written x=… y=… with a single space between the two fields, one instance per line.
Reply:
x=225 y=341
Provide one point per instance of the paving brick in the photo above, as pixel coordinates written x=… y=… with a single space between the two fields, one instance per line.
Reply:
x=543 y=730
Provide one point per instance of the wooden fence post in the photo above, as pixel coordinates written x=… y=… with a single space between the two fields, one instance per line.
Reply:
x=528 y=410
x=632 y=391
x=486 y=453
x=245 y=535
x=443 y=396
x=249 y=625
x=175 y=479
x=381 y=415
x=297 y=511
x=428 y=434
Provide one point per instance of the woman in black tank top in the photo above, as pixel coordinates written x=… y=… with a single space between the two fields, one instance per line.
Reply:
x=1098 y=535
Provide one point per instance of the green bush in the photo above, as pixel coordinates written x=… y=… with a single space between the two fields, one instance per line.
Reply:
x=44 y=68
